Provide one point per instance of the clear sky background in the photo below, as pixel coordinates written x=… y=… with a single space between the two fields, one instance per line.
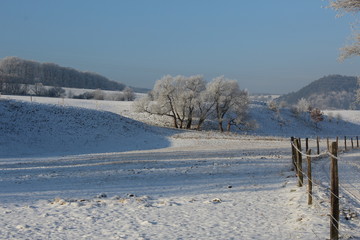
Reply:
x=269 y=46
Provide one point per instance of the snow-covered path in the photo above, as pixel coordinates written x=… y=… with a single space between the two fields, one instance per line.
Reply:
x=205 y=193
x=180 y=166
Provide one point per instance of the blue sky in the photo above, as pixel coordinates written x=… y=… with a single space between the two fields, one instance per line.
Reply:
x=273 y=46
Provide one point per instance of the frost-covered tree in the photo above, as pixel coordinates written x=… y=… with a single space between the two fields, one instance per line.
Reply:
x=177 y=97
x=38 y=89
x=204 y=107
x=187 y=99
x=348 y=6
x=303 y=105
x=128 y=94
x=162 y=100
x=238 y=112
x=190 y=90
x=230 y=101
x=98 y=94
x=302 y=109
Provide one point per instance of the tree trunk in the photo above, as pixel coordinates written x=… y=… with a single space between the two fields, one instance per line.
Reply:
x=200 y=123
x=221 y=126
x=228 y=128
x=181 y=124
x=175 y=122
x=189 y=122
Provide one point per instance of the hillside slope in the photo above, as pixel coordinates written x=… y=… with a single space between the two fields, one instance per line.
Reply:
x=329 y=92
x=285 y=123
x=88 y=126
x=32 y=129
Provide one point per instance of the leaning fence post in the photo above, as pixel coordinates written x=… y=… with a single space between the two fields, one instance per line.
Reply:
x=318 y=145
x=293 y=152
x=334 y=199
x=309 y=177
x=299 y=164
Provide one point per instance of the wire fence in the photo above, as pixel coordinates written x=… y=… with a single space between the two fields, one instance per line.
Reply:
x=332 y=192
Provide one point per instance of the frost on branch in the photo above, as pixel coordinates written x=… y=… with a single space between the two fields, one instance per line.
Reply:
x=189 y=101
x=348 y=6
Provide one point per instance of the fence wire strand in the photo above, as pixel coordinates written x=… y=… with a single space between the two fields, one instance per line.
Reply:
x=334 y=222
x=324 y=153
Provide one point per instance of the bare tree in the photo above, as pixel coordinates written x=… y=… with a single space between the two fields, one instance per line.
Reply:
x=227 y=97
x=98 y=94
x=161 y=100
x=238 y=112
x=176 y=97
x=303 y=105
x=187 y=98
x=204 y=107
x=343 y=7
x=128 y=94
x=316 y=116
x=39 y=89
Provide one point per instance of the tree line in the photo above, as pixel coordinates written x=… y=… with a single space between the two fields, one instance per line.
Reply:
x=15 y=70
x=190 y=101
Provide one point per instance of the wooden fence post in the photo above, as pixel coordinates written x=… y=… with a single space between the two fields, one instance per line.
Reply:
x=318 y=145
x=357 y=141
x=345 y=143
x=352 y=143
x=307 y=143
x=293 y=152
x=299 y=164
x=334 y=199
x=328 y=144
x=310 y=200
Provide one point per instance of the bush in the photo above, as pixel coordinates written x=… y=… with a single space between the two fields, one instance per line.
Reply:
x=273 y=106
x=85 y=95
x=56 y=92
x=316 y=115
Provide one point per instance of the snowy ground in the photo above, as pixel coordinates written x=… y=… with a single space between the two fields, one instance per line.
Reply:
x=110 y=177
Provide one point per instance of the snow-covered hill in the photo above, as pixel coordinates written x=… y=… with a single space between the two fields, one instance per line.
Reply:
x=74 y=126
x=286 y=124
x=33 y=129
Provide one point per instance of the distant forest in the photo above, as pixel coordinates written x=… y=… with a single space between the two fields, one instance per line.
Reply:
x=329 y=92
x=20 y=71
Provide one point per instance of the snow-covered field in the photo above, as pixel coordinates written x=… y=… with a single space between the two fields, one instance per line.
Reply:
x=73 y=173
